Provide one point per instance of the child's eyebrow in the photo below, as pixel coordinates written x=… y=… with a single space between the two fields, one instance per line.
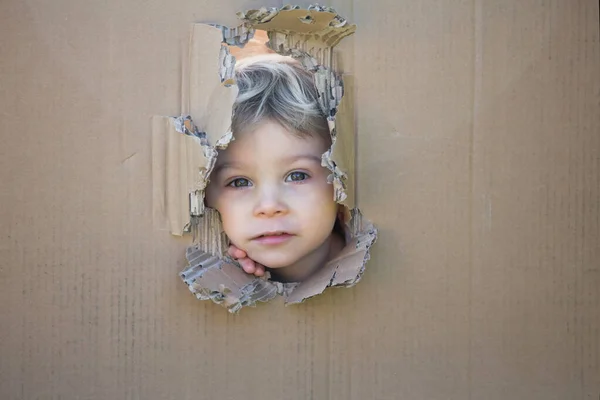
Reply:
x=219 y=167
x=286 y=160
x=297 y=157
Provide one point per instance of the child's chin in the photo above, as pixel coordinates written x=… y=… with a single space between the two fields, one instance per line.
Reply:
x=275 y=261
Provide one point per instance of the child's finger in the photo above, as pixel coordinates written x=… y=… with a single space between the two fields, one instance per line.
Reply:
x=260 y=270
x=248 y=265
x=234 y=252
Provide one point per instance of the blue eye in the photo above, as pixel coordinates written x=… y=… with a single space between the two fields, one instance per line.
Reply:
x=239 y=182
x=297 y=176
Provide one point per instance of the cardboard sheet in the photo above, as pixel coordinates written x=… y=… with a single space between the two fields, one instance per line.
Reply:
x=477 y=158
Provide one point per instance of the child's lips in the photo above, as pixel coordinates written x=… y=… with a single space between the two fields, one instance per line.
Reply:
x=271 y=238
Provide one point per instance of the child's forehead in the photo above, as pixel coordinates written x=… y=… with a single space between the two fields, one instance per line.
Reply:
x=272 y=139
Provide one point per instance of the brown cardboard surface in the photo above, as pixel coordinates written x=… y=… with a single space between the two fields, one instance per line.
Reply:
x=184 y=152
x=477 y=146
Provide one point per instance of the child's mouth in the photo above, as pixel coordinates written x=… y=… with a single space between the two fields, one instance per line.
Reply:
x=271 y=238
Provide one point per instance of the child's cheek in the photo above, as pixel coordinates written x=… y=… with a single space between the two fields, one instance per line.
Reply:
x=320 y=187
x=233 y=205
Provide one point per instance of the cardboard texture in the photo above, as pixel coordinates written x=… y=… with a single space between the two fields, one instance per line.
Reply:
x=184 y=152
x=477 y=145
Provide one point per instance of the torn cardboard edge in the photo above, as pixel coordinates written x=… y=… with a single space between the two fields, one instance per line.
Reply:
x=185 y=151
x=223 y=281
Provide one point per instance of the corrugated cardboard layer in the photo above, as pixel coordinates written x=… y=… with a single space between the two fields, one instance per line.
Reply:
x=184 y=152
x=535 y=280
x=477 y=138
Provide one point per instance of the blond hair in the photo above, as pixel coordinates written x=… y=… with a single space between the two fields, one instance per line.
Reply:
x=278 y=88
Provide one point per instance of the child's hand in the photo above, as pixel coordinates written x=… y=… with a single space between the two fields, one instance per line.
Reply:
x=248 y=265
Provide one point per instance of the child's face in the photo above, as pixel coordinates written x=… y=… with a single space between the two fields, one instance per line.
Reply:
x=273 y=195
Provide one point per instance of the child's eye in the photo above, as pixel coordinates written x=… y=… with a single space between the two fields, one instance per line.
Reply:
x=296 y=176
x=239 y=182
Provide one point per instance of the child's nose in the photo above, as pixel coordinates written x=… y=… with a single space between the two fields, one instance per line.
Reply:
x=270 y=203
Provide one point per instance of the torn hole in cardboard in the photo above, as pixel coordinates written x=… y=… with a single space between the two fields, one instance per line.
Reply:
x=185 y=149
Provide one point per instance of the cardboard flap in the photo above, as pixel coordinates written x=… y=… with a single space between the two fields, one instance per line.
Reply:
x=346 y=269
x=181 y=164
x=177 y=160
x=204 y=72
x=211 y=95
x=312 y=30
x=211 y=278
x=343 y=152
